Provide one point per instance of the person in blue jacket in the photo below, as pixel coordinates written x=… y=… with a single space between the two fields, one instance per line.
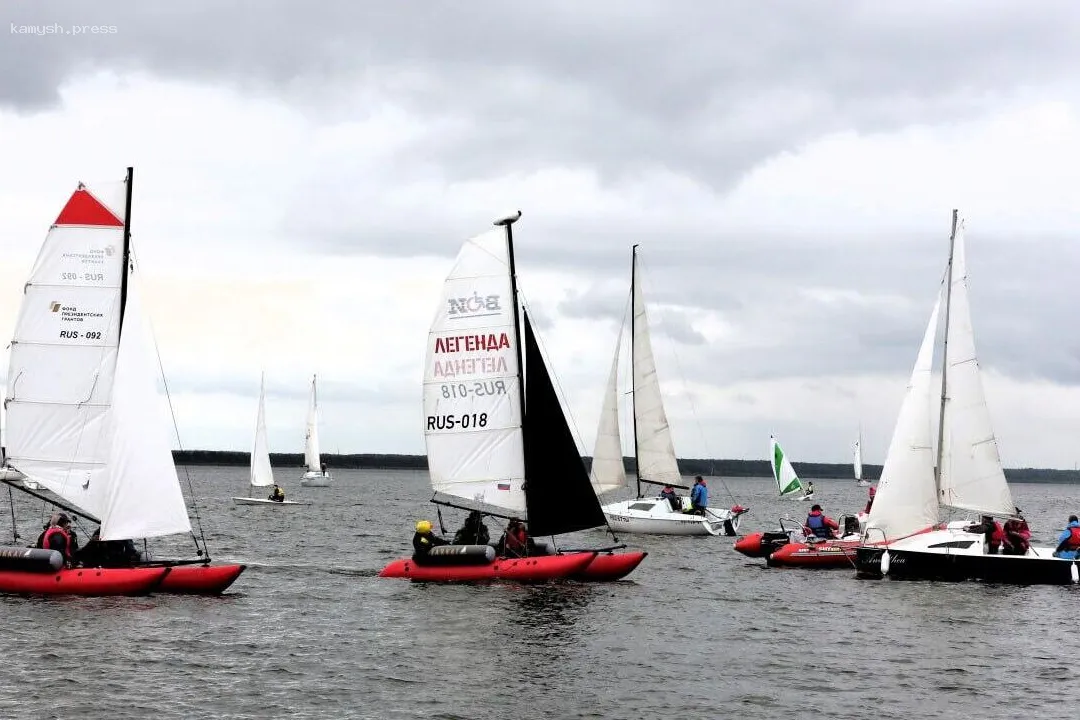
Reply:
x=1068 y=546
x=699 y=496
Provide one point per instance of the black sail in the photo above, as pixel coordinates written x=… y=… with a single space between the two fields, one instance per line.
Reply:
x=558 y=494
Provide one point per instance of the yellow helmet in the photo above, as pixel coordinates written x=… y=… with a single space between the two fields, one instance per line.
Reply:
x=424 y=526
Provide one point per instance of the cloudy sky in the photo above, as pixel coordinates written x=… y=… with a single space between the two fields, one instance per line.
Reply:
x=305 y=173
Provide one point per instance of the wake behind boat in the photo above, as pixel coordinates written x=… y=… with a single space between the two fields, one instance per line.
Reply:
x=496 y=434
x=963 y=472
x=83 y=421
x=654 y=451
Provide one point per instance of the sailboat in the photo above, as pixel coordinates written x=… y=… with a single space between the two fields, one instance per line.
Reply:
x=497 y=438
x=261 y=475
x=83 y=420
x=787 y=480
x=654 y=450
x=904 y=537
x=316 y=475
x=857 y=463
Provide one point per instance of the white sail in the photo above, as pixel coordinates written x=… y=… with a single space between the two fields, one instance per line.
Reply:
x=858 y=459
x=906 y=499
x=656 y=459
x=144 y=498
x=608 y=471
x=311 y=437
x=787 y=482
x=472 y=400
x=971 y=476
x=63 y=353
x=83 y=416
x=262 y=475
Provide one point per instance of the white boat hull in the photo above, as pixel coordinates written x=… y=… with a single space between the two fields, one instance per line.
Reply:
x=654 y=516
x=316 y=479
x=264 y=501
x=807 y=496
x=863 y=483
x=10 y=473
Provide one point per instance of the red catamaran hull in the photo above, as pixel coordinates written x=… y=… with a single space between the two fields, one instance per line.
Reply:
x=200 y=579
x=826 y=554
x=606 y=567
x=84 y=581
x=531 y=569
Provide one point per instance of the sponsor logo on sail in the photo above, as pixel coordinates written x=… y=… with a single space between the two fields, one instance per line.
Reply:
x=71 y=313
x=476 y=305
x=93 y=256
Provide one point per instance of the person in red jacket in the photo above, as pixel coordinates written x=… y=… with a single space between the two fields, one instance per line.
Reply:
x=870 y=502
x=1017 y=536
x=515 y=541
x=821 y=525
x=59 y=537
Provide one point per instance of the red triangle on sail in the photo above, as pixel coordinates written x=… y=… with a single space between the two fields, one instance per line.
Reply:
x=84 y=209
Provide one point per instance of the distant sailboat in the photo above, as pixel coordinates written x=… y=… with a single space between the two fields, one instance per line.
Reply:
x=261 y=475
x=858 y=463
x=317 y=475
x=654 y=450
x=787 y=481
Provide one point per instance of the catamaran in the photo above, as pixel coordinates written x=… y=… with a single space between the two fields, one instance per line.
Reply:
x=317 y=475
x=261 y=475
x=654 y=450
x=83 y=419
x=904 y=538
x=497 y=438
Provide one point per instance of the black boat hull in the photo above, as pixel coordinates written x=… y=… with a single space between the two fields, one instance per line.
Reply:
x=1005 y=569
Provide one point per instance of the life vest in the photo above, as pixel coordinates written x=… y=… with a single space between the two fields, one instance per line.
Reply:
x=1073 y=541
x=53 y=531
x=817 y=525
x=516 y=541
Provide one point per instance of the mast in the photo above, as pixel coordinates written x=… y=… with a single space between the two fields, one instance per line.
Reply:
x=945 y=357
x=633 y=348
x=508 y=223
x=127 y=248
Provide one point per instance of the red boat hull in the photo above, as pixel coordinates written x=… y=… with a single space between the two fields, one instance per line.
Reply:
x=84 y=581
x=531 y=569
x=751 y=545
x=606 y=567
x=826 y=554
x=200 y=579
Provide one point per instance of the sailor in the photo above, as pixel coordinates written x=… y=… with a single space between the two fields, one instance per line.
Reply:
x=809 y=487
x=423 y=540
x=324 y=468
x=1068 y=546
x=991 y=528
x=58 y=537
x=473 y=531
x=515 y=541
x=40 y=542
x=820 y=524
x=699 y=496
x=278 y=495
x=870 y=501
x=669 y=494
x=1017 y=536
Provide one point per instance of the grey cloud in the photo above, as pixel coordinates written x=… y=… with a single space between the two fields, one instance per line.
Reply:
x=708 y=90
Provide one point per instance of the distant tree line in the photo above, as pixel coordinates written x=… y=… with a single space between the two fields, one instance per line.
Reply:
x=688 y=466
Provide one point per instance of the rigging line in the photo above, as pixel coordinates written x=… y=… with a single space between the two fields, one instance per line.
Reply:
x=693 y=407
x=563 y=401
x=204 y=550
